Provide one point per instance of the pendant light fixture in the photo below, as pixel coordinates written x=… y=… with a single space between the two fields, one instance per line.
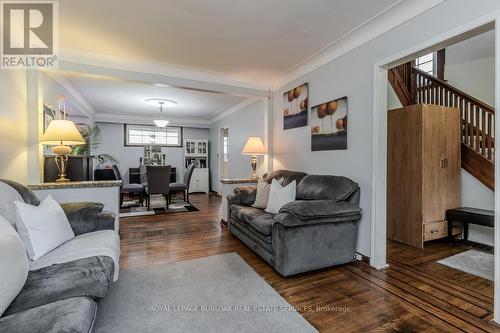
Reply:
x=162 y=102
x=161 y=122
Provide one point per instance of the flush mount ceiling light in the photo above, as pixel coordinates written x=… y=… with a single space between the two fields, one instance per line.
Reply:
x=162 y=102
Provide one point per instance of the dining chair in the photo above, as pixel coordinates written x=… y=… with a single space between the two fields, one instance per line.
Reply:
x=137 y=189
x=158 y=182
x=184 y=185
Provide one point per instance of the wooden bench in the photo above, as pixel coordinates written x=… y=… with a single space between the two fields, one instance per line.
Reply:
x=467 y=216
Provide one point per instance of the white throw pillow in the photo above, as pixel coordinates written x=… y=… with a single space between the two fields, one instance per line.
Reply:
x=42 y=228
x=13 y=264
x=280 y=195
x=262 y=196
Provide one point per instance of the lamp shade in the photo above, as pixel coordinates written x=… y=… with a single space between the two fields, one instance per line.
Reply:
x=62 y=132
x=254 y=146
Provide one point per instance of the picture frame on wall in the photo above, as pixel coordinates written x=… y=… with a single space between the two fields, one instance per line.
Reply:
x=295 y=107
x=329 y=125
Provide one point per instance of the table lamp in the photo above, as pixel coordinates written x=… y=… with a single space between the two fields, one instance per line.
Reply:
x=61 y=134
x=254 y=147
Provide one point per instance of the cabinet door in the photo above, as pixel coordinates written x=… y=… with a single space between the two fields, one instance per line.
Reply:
x=441 y=162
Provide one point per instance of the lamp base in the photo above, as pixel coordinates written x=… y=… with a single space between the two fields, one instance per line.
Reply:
x=61 y=162
x=62 y=179
x=254 y=167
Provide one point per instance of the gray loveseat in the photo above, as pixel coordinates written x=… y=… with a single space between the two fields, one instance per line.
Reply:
x=62 y=287
x=317 y=230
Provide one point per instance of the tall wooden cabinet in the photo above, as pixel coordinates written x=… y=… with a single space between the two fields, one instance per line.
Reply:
x=423 y=171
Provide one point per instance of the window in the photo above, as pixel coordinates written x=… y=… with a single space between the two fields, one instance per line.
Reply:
x=426 y=63
x=141 y=135
x=226 y=143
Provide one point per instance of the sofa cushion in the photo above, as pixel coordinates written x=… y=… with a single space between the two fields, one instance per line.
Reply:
x=280 y=195
x=28 y=195
x=318 y=209
x=82 y=216
x=84 y=277
x=287 y=175
x=13 y=264
x=316 y=187
x=8 y=196
x=97 y=243
x=255 y=217
x=262 y=196
x=76 y=315
x=42 y=228
x=246 y=194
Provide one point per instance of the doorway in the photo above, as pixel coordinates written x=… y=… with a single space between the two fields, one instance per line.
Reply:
x=380 y=141
x=224 y=153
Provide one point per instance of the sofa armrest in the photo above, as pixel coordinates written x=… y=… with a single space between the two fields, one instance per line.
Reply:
x=302 y=212
x=86 y=217
x=242 y=195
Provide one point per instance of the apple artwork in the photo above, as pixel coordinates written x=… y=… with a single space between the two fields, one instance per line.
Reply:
x=297 y=91
x=303 y=104
x=321 y=115
x=315 y=129
x=286 y=112
x=330 y=110
x=290 y=95
x=339 y=124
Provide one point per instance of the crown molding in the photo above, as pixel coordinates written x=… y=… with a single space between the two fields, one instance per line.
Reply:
x=233 y=109
x=384 y=21
x=148 y=120
x=85 y=57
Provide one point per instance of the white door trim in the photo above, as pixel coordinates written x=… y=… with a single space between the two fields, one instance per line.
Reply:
x=379 y=160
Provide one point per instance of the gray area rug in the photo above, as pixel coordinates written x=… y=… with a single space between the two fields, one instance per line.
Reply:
x=473 y=262
x=220 y=293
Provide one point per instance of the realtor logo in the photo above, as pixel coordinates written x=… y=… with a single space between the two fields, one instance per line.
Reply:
x=29 y=37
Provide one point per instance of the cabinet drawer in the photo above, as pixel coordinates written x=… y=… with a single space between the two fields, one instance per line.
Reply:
x=435 y=230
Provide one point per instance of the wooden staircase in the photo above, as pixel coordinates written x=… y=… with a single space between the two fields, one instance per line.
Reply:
x=413 y=86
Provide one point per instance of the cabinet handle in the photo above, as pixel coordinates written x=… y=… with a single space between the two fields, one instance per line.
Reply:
x=434 y=231
x=444 y=163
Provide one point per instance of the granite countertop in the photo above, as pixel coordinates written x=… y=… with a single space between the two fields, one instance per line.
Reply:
x=240 y=181
x=86 y=184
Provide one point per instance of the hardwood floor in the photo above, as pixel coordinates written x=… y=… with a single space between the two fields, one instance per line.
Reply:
x=414 y=294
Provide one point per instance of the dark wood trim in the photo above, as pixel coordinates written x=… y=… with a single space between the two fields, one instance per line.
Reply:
x=399 y=87
x=440 y=63
x=478 y=166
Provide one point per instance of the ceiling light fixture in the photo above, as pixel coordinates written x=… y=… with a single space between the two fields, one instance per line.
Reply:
x=162 y=102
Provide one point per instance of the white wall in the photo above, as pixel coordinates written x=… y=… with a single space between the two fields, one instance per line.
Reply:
x=248 y=121
x=470 y=66
x=351 y=75
x=13 y=126
x=52 y=89
x=112 y=142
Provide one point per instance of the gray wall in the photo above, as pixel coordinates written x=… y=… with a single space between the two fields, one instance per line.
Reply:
x=352 y=75
x=248 y=121
x=112 y=142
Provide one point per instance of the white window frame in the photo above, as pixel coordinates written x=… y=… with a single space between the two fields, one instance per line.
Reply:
x=418 y=64
x=154 y=129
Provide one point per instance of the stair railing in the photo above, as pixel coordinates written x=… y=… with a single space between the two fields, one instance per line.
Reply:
x=477 y=117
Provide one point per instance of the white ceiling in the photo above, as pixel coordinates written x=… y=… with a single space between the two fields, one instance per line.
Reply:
x=255 y=41
x=113 y=96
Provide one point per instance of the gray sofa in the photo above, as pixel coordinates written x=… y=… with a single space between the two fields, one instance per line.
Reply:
x=317 y=230
x=62 y=287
